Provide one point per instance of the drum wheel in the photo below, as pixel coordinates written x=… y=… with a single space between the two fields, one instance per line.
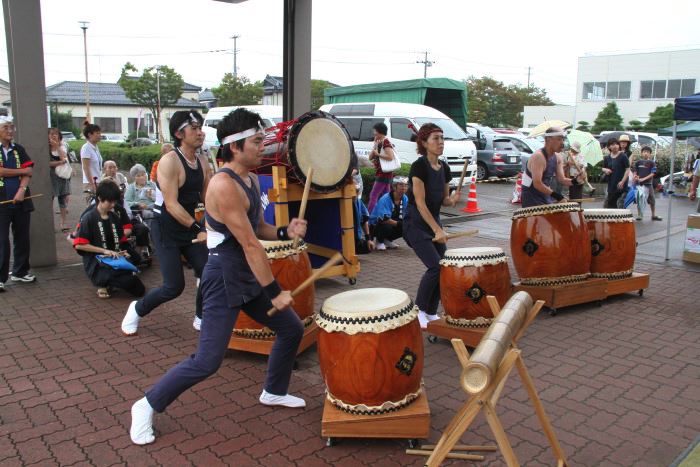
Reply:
x=412 y=443
x=330 y=442
x=352 y=281
x=552 y=312
x=432 y=339
x=641 y=292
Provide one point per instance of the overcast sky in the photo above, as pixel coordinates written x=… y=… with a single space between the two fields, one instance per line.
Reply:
x=360 y=41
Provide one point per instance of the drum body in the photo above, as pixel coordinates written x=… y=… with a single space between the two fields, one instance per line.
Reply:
x=315 y=140
x=467 y=276
x=550 y=244
x=290 y=267
x=613 y=242
x=370 y=347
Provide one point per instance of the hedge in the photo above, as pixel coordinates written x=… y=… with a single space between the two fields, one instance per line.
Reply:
x=124 y=155
x=368 y=178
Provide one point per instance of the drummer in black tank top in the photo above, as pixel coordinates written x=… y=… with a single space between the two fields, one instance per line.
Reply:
x=182 y=184
x=236 y=277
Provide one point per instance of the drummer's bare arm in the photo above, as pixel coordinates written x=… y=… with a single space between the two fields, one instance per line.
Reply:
x=265 y=231
x=419 y=195
x=206 y=167
x=169 y=174
x=537 y=165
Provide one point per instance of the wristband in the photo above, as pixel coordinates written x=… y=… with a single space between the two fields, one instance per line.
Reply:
x=272 y=289
x=557 y=196
x=282 y=233
x=195 y=228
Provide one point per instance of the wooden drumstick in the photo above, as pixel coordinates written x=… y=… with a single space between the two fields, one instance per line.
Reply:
x=10 y=201
x=304 y=200
x=464 y=172
x=311 y=279
x=582 y=200
x=466 y=233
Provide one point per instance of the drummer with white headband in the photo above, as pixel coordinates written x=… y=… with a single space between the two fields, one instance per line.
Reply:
x=542 y=167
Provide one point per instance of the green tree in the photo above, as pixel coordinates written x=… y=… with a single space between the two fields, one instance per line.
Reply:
x=608 y=119
x=583 y=126
x=635 y=125
x=63 y=121
x=660 y=117
x=238 y=91
x=492 y=103
x=317 y=88
x=156 y=85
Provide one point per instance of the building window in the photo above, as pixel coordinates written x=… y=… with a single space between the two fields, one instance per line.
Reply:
x=687 y=87
x=618 y=90
x=109 y=125
x=78 y=122
x=594 y=91
x=146 y=124
x=625 y=91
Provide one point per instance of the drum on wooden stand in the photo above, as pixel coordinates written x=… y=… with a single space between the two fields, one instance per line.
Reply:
x=315 y=140
x=290 y=267
x=370 y=347
x=550 y=244
x=613 y=242
x=467 y=276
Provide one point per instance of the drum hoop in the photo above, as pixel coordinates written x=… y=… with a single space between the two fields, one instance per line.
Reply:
x=474 y=260
x=613 y=275
x=547 y=281
x=386 y=407
x=266 y=333
x=284 y=249
x=292 y=155
x=546 y=209
x=375 y=324
x=605 y=217
x=478 y=322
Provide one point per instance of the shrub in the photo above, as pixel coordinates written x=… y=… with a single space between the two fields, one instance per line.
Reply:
x=368 y=178
x=122 y=154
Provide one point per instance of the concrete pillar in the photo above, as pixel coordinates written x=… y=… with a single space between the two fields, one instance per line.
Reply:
x=25 y=56
x=297 y=58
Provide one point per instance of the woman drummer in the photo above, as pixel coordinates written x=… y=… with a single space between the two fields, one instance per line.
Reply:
x=428 y=189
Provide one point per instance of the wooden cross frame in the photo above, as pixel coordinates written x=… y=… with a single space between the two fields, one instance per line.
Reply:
x=487 y=400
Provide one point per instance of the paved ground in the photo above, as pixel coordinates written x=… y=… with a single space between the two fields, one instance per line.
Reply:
x=620 y=382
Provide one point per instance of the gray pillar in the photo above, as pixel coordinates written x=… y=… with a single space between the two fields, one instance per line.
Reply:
x=297 y=58
x=25 y=56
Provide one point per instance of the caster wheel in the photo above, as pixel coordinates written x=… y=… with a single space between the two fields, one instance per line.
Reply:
x=330 y=442
x=553 y=312
x=412 y=443
x=641 y=292
x=599 y=303
x=432 y=340
x=296 y=365
x=352 y=281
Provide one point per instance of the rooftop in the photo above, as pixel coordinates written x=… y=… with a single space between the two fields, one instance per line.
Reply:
x=73 y=92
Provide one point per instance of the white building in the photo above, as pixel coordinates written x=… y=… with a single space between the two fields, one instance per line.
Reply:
x=638 y=83
x=4 y=95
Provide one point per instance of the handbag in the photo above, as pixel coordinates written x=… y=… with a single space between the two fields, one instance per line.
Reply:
x=64 y=170
x=390 y=166
x=119 y=264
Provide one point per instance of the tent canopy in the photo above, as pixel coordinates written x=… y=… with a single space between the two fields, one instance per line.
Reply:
x=687 y=108
x=683 y=130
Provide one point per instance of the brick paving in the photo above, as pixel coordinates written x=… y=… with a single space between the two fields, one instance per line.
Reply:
x=621 y=382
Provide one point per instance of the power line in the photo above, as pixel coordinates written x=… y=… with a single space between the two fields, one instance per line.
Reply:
x=426 y=63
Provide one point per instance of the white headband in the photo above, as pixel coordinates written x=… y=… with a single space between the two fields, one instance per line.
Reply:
x=5 y=119
x=556 y=133
x=191 y=120
x=243 y=134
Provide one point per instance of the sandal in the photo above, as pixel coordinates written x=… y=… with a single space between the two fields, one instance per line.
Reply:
x=103 y=292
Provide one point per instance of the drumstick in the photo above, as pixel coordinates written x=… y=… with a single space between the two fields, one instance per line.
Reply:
x=304 y=200
x=464 y=172
x=583 y=200
x=9 y=201
x=311 y=279
x=466 y=233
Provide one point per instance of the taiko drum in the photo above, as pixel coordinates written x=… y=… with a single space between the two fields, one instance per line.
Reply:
x=370 y=347
x=290 y=267
x=550 y=244
x=613 y=242
x=467 y=276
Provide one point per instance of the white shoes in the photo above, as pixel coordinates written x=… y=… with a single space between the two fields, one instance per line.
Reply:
x=424 y=318
x=390 y=244
x=130 y=323
x=380 y=247
x=287 y=400
x=141 y=431
x=197 y=323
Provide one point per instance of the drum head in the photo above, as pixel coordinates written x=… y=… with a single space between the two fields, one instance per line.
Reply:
x=320 y=141
x=477 y=256
x=281 y=249
x=608 y=215
x=545 y=209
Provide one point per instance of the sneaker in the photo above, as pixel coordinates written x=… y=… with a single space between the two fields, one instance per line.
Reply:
x=434 y=317
x=2 y=287
x=26 y=278
x=380 y=246
x=287 y=400
x=656 y=218
x=639 y=218
x=390 y=245
x=197 y=323
x=422 y=319
x=130 y=323
x=141 y=431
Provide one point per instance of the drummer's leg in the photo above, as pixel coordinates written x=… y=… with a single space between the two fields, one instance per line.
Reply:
x=430 y=254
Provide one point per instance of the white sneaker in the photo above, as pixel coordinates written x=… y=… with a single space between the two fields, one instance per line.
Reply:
x=130 y=323
x=141 y=431
x=422 y=319
x=197 y=323
x=380 y=247
x=390 y=244
x=434 y=317
x=26 y=278
x=2 y=287
x=287 y=400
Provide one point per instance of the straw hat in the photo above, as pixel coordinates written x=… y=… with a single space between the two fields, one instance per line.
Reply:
x=624 y=138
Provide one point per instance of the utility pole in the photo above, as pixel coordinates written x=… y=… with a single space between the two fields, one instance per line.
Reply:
x=426 y=63
x=235 y=54
x=84 y=26
x=159 y=128
x=528 y=77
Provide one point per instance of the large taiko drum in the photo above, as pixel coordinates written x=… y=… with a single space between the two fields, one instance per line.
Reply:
x=467 y=276
x=613 y=242
x=290 y=267
x=370 y=348
x=550 y=244
x=315 y=140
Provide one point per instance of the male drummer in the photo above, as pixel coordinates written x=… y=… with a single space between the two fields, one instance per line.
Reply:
x=233 y=279
x=541 y=168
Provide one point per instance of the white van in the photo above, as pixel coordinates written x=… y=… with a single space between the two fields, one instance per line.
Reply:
x=271 y=115
x=360 y=117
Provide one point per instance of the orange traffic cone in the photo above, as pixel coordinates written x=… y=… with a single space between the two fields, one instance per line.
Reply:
x=472 y=205
x=518 y=191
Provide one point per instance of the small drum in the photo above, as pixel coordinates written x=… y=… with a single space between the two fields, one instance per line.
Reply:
x=467 y=276
x=315 y=140
x=613 y=242
x=550 y=244
x=370 y=347
x=290 y=267
x=199 y=212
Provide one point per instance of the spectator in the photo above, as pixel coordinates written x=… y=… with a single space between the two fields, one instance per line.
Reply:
x=644 y=170
x=694 y=183
x=387 y=216
x=625 y=146
x=363 y=242
x=91 y=159
x=164 y=149
x=99 y=234
x=385 y=150
x=575 y=168
x=15 y=173
x=616 y=167
x=60 y=186
x=140 y=194
x=111 y=171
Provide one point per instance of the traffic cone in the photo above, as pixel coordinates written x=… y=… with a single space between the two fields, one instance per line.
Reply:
x=472 y=205
x=518 y=191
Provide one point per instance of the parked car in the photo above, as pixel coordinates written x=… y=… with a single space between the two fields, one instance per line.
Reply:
x=139 y=142
x=68 y=136
x=506 y=131
x=498 y=158
x=526 y=146
x=270 y=114
x=113 y=138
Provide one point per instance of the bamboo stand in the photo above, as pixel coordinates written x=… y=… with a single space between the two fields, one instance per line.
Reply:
x=487 y=400
x=440 y=328
x=282 y=193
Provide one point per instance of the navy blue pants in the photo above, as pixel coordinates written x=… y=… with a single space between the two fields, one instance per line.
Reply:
x=16 y=220
x=430 y=253
x=214 y=338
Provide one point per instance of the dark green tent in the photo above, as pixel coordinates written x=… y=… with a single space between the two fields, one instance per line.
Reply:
x=683 y=130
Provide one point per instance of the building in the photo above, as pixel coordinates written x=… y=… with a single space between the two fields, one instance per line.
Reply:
x=273 y=89
x=637 y=82
x=207 y=98
x=4 y=95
